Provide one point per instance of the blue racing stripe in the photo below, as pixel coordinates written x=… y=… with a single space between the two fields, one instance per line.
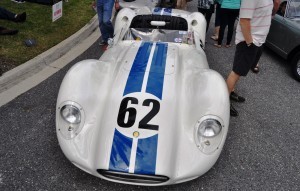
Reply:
x=146 y=155
x=120 y=153
x=137 y=72
x=157 y=71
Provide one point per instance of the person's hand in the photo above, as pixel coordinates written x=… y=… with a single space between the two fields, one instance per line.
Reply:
x=93 y=4
x=117 y=6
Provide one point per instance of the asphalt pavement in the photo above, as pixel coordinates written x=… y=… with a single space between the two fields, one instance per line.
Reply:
x=261 y=151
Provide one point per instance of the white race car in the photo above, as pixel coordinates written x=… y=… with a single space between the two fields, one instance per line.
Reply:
x=149 y=111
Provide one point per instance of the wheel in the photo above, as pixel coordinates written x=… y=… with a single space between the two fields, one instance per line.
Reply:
x=296 y=66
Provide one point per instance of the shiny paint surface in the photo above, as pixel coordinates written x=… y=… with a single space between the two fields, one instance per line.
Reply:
x=284 y=35
x=141 y=102
x=138 y=3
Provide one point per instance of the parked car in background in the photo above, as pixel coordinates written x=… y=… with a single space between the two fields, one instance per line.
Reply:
x=284 y=35
x=150 y=111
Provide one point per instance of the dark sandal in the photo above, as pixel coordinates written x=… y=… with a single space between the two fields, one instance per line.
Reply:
x=255 y=69
x=237 y=98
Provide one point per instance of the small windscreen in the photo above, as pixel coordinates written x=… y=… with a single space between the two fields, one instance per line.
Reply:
x=160 y=35
x=172 y=22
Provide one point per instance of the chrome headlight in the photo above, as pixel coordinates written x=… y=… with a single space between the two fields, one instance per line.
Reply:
x=70 y=119
x=70 y=114
x=208 y=133
x=209 y=128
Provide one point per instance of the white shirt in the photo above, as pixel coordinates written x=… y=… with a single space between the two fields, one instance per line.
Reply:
x=260 y=13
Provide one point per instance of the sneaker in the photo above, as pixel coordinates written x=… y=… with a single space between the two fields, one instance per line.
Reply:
x=233 y=111
x=103 y=43
x=5 y=31
x=20 y=18
x=18 y=1
x=104 y=47
x=235 y=97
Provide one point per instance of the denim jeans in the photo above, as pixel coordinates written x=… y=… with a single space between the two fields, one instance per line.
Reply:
x=104 y=10
x=6 y=15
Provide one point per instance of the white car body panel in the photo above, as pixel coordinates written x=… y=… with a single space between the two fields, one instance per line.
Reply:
x=137 y=4
x=175 y=76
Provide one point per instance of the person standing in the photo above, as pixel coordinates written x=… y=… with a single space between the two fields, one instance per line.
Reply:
x=228 y=13
x=104 y=11
x=251 y=33
x=255 y=69
x=206 y=7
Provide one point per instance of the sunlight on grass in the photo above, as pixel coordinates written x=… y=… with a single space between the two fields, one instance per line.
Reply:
x=39 y=26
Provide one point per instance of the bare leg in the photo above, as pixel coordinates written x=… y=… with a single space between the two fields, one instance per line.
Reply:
x=231 y=81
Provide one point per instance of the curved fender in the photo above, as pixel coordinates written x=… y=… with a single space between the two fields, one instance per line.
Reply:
x=86 y=83
x=204 y=92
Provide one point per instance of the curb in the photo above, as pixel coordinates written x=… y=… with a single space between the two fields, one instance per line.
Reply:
x=33 y=66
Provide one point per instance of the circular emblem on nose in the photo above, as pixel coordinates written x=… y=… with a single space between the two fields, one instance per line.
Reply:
x=136 y=134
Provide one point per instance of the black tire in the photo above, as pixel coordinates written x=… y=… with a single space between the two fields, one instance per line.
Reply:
x=296 y=66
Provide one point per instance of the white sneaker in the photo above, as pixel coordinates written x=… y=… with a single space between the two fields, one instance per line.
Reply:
x=18 y=1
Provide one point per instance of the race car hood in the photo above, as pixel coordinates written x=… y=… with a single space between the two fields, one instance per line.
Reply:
x=141 y=112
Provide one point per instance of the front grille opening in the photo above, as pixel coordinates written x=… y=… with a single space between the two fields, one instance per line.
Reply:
x=136 y=178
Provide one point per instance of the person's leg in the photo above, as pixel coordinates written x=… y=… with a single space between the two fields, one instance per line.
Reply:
x=208 y=16
x=217 y=18
x=5 y=31
x=255 y=66
x=183 y=5
x=178 y=4
x=217 y=22
x=107 y=13
x=100 y=10
x=203 y=11
x=232 y=14
x=223 y=24
x=6 y=14
x=231 y=81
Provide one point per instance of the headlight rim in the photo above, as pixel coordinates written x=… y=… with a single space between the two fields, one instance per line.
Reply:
x=215 y=141
x=63 y=125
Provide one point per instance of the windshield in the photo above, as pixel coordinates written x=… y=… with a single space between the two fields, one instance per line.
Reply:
x=293 y=9
x=160 y=35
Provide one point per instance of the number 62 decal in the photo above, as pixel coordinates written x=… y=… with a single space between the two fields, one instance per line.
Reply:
x=144 y=123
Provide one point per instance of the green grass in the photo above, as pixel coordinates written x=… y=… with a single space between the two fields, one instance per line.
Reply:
x=39 y=26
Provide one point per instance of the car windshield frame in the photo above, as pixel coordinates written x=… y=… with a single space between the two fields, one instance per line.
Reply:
x=160 y=35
